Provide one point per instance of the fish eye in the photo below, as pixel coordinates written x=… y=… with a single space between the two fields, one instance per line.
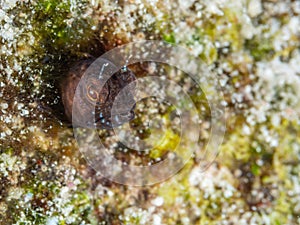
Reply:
x=92 y=93
x=124 y=69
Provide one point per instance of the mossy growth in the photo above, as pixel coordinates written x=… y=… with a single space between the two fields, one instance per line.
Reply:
x=222 y=29
x=61 y=24
x=170 y=38
x=51 y=200
x=168 y=143
x=64 y=32
x=260 y=48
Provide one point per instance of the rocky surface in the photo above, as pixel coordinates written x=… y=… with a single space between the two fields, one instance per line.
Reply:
x=252 y=45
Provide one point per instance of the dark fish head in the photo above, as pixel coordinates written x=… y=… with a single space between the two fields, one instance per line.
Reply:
x=88 y=105
x=114 y=106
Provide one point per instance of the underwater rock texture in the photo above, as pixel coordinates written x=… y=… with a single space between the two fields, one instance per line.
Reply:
x=253 y=46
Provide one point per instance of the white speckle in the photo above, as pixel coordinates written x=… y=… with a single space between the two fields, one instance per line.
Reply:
x=246 y=130
x=8 y=132
x=2 y=135
x=24 y=112
x=274 y=142
x=156 y=219
x=254 y=8
x=185 y=4
x=159 y=201
x=248 y=30
x=28 y=197
x=223 y=82
x=275 y=120
x=110 y=193
x=197 y=49
x=294 y=25
x=52 y=221
x=20 y=106
x=260 y=162
x=228 y=193
x=4 y=105
x=214 y=9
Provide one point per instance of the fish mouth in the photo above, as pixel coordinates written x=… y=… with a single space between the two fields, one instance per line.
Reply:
x=120 y=119
x=115 y=120
x=115 y=106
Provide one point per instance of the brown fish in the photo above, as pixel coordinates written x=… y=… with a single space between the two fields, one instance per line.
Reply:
x=95 y=105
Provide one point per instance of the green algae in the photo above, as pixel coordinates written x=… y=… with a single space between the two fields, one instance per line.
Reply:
x=240 y=153
x=59 y=26
x=260 y=48
x=169 y=38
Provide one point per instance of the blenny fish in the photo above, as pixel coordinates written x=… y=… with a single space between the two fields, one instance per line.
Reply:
x=93 y=103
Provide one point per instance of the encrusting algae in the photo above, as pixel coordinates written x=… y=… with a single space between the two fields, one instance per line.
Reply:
x=253 y=47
